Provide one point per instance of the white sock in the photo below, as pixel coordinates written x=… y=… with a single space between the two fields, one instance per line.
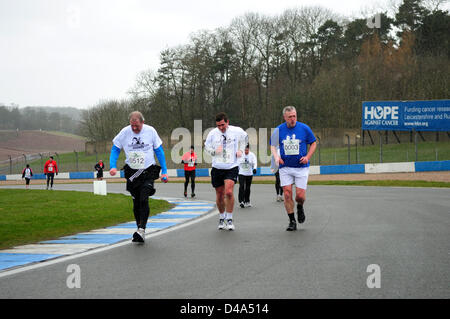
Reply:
x=229 y=215
x=222 y=215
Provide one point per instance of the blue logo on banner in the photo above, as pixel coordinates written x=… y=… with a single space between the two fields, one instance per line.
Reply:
x=406 y=116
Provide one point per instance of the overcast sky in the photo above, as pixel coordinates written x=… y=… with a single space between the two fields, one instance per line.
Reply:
x=76 y=53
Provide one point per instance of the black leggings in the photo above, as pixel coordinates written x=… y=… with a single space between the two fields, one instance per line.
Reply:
x=244 y=188
x=278 y=188
x=50 y=177
x=141 y=209
x=189 y=175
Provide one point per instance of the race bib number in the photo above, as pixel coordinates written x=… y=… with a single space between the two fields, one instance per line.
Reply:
x=50 y=168
x=245 y=166
x=225 y=157
x=191 y=164
x=291 y=146
x=136 y=160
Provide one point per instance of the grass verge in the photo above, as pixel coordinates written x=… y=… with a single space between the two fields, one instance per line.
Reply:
x=382 y=183
x=29 y=216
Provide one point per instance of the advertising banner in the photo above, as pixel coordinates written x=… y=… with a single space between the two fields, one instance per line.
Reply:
x=433 y=115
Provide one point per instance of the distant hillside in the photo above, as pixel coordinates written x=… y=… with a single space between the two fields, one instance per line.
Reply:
x=17 y=143
x=66 y=119
x=71 y=112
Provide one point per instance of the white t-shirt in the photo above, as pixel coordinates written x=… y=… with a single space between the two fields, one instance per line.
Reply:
x=27 y=173
x=234 y=139
x=138 y=147
x=247 y=163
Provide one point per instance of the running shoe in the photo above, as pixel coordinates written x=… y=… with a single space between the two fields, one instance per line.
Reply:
x=221 y=224
x=230 y=225
x=300 y=214
x=139 y=236
x=185 y=194
x=292 y=226
x=248 y=204
x=192 y=195
x=242 y=204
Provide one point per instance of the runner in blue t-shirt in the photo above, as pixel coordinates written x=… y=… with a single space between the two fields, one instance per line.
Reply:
x=293 y=138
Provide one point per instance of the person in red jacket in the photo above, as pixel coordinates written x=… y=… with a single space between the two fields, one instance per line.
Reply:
x=189 y=160
x=50 y=169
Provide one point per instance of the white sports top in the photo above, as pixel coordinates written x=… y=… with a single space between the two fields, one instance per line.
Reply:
x=247 y=163
x=138 y=147
x=234 y=139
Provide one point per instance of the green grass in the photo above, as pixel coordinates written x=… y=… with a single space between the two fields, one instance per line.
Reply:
x=383 y=183
x=391 y=153
x=29 y=216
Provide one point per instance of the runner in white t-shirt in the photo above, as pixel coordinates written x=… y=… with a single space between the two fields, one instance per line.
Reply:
x=247 y=167
x=141 y=143
x=226 y=144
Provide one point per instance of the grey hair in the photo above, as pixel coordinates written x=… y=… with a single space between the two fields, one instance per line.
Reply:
x=138 y=114
x=289 y=109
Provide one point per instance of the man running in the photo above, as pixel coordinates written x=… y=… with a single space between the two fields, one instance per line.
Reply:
x=247 y=167
x=292 y=137
x=140 y=142
x=50 y=169
x=225 y=143
x=189 y=159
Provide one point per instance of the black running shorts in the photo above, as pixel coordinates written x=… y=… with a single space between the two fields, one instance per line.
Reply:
x=218 y=176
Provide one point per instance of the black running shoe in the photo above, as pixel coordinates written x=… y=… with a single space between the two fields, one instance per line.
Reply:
x=300 y=214
x=192 y=195
x=292 y=226
x=185 y=194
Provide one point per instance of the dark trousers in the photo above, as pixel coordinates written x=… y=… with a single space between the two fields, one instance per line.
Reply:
x=50 y=177
x=244 y=188
x=278 y=187
x=189 y=175
x=141 y=209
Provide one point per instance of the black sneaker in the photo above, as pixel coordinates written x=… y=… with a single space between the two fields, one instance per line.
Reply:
x=242 y=205
x=185 y=194
x=292 y=226
x=192 y=195
x=300 y=214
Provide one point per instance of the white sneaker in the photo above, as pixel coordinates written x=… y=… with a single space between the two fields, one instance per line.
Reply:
x=221 y=224
x=242 y=204
x=139 y=236
x=280 y=198
x=230 y=225
x=248 y=204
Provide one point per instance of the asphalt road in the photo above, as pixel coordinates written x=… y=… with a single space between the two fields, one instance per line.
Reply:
x=404 y=231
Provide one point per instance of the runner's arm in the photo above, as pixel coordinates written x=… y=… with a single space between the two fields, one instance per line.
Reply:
x=115 y=152
x=162 y=159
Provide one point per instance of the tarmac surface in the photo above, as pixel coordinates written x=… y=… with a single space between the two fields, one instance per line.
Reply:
x=350 y=236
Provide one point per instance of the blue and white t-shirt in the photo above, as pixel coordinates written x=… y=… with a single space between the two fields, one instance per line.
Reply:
x=138 y=147
x=293 y=143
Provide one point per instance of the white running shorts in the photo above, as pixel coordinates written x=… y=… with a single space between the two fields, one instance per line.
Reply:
x=297 y=175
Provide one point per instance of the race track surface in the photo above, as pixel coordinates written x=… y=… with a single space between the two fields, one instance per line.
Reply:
x=403 y=231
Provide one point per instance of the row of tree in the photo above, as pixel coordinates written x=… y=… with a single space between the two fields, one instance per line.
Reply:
x=36 y=118
x=306 y=57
